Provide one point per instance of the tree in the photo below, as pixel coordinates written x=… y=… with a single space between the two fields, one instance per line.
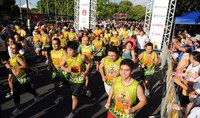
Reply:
x=8 y=6
x=124 y=6
x=184 y=6
x=61 y=7
x=137 y=12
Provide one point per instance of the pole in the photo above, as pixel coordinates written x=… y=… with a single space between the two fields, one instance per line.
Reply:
x=47 y=7
x=28 y=20
x=67 y=9
x=55 y=10
x=20 y=9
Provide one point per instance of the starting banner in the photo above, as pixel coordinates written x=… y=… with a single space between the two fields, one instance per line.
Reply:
x=158 y=20
x=84 y=14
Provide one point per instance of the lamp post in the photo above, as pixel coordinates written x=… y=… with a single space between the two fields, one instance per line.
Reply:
x=20 y=9
x=28 y=20
x=67 y=9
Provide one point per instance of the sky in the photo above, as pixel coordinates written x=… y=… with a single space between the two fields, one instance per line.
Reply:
x=135 y=2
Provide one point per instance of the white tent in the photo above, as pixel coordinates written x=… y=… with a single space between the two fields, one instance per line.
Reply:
x=30 y=6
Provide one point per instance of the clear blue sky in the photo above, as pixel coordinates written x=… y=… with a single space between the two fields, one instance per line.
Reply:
x=135 y=2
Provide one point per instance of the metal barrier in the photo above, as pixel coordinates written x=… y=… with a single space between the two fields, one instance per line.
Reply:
x=169 y=93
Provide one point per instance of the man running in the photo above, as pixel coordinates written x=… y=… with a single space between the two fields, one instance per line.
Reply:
x=147 y=60
x=20 y=77
x=73 y=63
x=57 y=75
x=124 y=92
x=109 y=67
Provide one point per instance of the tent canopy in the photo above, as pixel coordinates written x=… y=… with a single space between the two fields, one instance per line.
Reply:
x=30 y=5
x=188 y=18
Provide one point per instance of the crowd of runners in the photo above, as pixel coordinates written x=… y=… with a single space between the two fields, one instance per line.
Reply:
x=112 y=49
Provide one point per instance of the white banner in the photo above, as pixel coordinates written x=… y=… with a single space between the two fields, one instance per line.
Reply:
x=84 y=13
x=158 y=20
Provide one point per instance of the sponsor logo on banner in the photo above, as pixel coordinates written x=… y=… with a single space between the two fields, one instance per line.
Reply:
x=158 y=20
x=84 y=8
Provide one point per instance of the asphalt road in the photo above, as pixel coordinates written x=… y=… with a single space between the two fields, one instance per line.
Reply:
x=88 y=107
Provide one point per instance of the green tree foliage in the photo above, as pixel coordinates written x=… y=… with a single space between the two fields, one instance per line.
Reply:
x=107 y=10
x=137 y=12
x=61 y=6
x=8 y=6
x=184 y=6
x=124 y=6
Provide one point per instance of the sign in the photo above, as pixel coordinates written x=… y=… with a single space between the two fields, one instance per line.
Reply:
x=158 y=20
x=84 y=10
x=120 y=16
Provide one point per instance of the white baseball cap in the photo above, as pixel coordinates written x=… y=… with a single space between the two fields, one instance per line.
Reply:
x=130 y=34
x=115 y=32
x=36 y=27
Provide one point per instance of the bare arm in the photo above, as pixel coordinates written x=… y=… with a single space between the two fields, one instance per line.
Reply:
x=133 y=56
x=139 y=58
x=101 y=70
x=63 y=64
x=85 y=58
x=155 y=61
x=179 y=47
x=110 y=97
x=142 y=100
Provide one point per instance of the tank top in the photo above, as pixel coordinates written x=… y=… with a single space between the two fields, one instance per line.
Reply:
x=63 y=42
x=98 y=44
x=71 y=36
x=87 y=51
x=57 y=58
x=124 y=97
x=114 y=40
x=76 y=68
x=111 y=69
x=36 y=38
x=20 y=74
x=44 y=40
x=125 y=33
x=127 y=55
x=65 y=33
x=150 y=67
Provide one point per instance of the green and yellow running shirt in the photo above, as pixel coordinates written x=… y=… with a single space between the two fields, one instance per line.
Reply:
x=57 y=58
x=36 y=38
x=20 y=74
x=76 y=66
x=63 y=42
x=111 y=69
x=71 y=36
x=98 y=44
x=88 y=51
x=124 y=97
x=150 y=67
x=44 y=41
x=65 y=33
x=125 y=33
x=114 y=40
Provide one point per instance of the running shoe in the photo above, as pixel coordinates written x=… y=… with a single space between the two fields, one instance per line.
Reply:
x=146 y=92
x=17 y=111
x=71 y=115
x=9 y=95
x=47 y=61
x=36 y=98
x=88 y=93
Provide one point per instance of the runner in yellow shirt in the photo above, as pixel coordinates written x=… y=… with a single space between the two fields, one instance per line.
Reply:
x=123 y=95
x=73 y=63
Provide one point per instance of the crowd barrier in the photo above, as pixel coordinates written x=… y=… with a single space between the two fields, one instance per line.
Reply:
x=169 y=93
